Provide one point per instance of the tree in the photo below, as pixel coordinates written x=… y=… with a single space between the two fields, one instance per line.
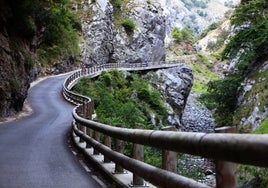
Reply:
x=250 y=41
x=222 y=95
x=183 y=35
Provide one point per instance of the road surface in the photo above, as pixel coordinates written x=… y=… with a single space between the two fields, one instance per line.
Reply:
x=34 y=151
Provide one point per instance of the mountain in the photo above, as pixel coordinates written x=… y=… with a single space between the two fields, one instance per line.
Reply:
x=195 y=14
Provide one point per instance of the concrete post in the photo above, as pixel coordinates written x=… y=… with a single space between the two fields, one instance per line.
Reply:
x=138 y=154
x=85 y=110
x=119 y=147
x=81 y=128
x=89 y=113
x=169 y=158
x=96 y=136
x=108 y=143
x=89 y=133
x=226 y=171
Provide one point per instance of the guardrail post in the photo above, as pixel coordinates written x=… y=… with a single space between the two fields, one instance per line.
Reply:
x=97 y=138
x=108 y=143
x=79 y=126
x=139 y=155
x=169 y=158
x=85 y=110
x=89 y=111
x=119 y=147
x=89 y=133
x=226 y=171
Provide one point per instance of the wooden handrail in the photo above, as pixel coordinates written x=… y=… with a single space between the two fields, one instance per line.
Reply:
x=239 y=148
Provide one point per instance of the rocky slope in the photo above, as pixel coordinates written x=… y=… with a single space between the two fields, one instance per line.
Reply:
x=252 y=102
x=196 y=15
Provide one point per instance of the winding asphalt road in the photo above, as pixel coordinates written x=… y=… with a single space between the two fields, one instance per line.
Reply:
x=34 y=151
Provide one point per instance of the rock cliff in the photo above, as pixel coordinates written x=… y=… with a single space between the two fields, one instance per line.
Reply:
x=105 y=40
x=17 y=63
x=252 y=102
x=175 y=85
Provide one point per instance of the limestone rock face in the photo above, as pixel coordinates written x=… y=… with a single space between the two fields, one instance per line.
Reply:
x=252 y=102
x=175 y=85
x=97 y=32
x=106 y=41
x=192 y=14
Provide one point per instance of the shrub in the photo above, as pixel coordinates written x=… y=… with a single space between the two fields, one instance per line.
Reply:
x=125 y=100
x=263 y=128
x=129 y=25
x=222 y=95
x=117 y=4
x=249 y=43
x=183 y=35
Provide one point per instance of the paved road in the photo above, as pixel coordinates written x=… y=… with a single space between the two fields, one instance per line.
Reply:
x=34 y=151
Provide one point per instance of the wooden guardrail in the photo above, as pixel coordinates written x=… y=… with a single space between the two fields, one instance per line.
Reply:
x=234 y=148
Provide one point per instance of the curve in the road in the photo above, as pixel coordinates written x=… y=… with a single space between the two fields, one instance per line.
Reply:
x=34 y=151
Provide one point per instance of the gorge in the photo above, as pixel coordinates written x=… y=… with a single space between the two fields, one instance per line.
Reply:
x=40 y=38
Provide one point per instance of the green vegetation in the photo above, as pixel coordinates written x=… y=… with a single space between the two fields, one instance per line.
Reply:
x=125 y=100
x=188 y=167
x=119 y=8
x=222 y=95
x=211 y=27
x=60 y=38
x=129 y=25
x=263 y=128
x=117 y=5
x=259 y=88
x=182 y=35
x=250 y=41
x=52 y=24
x=214 y=46
x=251 y=176
x=249 y=46
x=202 y=70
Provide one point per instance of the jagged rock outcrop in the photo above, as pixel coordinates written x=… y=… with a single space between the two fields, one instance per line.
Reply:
x=106 y=41
x=175 y=85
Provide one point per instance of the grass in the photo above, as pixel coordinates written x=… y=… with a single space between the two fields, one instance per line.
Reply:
x=202 y=70
x=263 y=128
